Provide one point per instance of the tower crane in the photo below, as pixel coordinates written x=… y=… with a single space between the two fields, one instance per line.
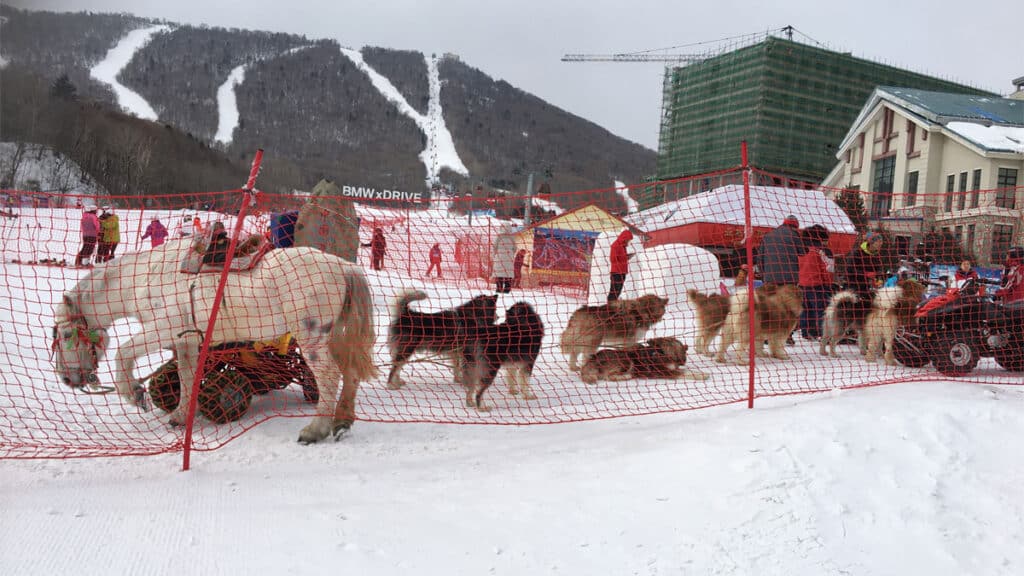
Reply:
x=669 y=59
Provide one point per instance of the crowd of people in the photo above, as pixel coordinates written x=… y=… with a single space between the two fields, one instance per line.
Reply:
x=787 y=255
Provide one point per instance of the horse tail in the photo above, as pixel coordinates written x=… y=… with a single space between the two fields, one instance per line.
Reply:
x=353 y=351
x=400 y=307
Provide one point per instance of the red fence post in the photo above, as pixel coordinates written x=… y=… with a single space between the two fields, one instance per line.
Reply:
x=748 y=236
x=204 y=347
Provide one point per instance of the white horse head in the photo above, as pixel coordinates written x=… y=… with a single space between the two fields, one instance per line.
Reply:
x=100 y=298
x=77 y=346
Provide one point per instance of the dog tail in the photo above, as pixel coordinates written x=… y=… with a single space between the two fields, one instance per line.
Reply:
x=400 y=306
x=888 y=298
x=839 y=298
x=694 y=297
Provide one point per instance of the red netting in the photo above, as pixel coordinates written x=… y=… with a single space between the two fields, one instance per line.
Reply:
x=688 y=250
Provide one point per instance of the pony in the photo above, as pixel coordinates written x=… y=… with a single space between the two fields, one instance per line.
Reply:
x=330 y=316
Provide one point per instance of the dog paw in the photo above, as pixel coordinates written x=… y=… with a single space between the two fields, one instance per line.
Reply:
x=395 y=385
x=529 y=396
x=483 y=408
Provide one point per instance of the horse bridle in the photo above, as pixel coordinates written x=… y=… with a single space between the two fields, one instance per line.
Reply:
x=81 y=335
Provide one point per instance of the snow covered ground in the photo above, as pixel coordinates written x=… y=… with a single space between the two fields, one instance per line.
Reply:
x=913 y=478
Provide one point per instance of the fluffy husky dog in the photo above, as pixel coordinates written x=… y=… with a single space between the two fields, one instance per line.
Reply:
x=656 y=358
x=846 y=312
x=447 y=332
x=619 y=322
x=711 y=310
x=885 y=311
x=513 y=345
x=776 y=310
x=893 y=307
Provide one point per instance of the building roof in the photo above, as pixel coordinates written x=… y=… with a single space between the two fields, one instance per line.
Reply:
x=548 y=222
x=769 y=206
x=989 y=123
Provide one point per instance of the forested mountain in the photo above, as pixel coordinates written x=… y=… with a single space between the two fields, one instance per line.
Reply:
x=313 y=110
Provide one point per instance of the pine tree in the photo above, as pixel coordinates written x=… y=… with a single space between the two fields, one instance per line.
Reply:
x=852 y=203
x=63 y=89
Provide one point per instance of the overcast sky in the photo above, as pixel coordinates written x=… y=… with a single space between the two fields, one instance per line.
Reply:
x=978 y=42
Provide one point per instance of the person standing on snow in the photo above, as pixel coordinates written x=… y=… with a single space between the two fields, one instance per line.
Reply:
x=780 y=252
x=503 y=260
x=816 y=269
x=156 y=232
x=378 y=247
x=90 y=231
x=1012 y=284
x=435 y=260
x=517 y=269
x=619 y=260
x=110 y=234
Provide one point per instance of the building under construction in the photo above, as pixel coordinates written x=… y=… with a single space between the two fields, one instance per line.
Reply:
x=792 y=102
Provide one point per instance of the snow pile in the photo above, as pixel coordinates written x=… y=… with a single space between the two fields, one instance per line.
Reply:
x=117 y=58
x=548 y=205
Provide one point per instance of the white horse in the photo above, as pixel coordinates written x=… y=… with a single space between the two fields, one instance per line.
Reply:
x=322 y=300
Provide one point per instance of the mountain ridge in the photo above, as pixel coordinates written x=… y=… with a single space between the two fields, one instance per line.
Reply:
x=315 y=108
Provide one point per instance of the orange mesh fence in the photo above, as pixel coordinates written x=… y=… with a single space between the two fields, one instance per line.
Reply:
x=70 y=318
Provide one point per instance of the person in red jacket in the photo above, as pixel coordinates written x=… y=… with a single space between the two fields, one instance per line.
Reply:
x=1012 y=289
x=435 y=260
x=967 y=272
x=816 y=268
x=619 y=264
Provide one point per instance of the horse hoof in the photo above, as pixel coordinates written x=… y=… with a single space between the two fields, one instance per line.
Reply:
x=140 y=397
x=340 y=428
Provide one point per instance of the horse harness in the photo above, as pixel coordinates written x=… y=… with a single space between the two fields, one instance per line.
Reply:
x=81 y=335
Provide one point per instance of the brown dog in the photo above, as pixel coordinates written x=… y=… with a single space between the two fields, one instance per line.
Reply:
x=892 y=308
x=777 y=311
x=656 y=358
x=620 y=321
x=711 y=310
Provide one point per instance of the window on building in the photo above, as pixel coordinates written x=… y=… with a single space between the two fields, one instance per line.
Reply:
x=883 y=172
x=859 y=153
x=950 y=183
x=911 y=195
x=958 y=233
x=1006 y=184
x=961 y=199
x=970 y=238
x=1002 y=236
x=887 y=129
x=911 y=137
x=975 y=186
